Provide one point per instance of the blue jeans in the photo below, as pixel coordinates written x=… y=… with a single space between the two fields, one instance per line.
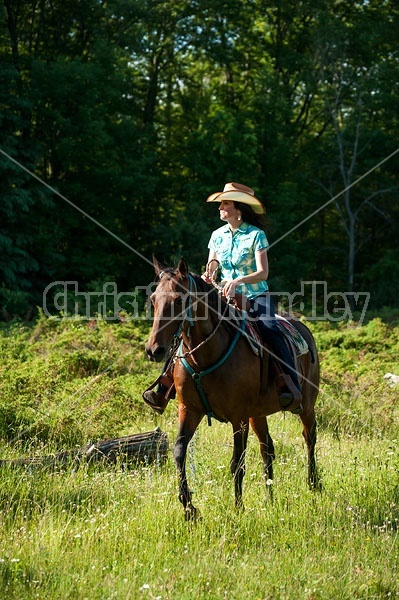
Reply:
x=262 y=312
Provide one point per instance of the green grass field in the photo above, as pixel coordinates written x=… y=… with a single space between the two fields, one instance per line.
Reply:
x=117 y=532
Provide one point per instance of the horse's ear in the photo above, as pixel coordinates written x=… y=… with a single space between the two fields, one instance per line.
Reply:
x=182 y=268
x=158 y=266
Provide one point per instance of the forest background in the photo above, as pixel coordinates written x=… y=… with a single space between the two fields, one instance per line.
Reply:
x=118 y=118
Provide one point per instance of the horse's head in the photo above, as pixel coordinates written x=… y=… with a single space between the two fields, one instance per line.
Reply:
x=169 y=301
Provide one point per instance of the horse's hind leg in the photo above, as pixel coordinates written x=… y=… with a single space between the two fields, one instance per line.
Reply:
x=261 y=429
x=188 y=425
x=237 y=463
x=309 y=433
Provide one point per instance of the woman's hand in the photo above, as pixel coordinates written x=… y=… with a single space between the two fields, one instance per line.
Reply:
x=211 y=268
x=230 y=287
x=207 y=277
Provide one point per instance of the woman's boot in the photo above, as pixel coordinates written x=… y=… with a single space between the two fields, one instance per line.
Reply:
x=158 y=399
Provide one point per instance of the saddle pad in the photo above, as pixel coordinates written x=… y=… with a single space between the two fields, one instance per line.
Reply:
x=291 y=332
x=254 y=339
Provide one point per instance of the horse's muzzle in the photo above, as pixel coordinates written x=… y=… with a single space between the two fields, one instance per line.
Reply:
x=155 y=354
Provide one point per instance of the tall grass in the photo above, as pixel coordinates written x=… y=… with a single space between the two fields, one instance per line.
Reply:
x=102 y=533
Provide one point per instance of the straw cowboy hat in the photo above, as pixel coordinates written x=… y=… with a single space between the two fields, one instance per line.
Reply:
x=237 y=192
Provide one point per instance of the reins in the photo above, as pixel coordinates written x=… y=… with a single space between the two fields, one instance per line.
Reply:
x=209 y=337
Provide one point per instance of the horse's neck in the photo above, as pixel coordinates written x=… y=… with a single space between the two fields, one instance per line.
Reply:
x=209 y=341
x=197 y=331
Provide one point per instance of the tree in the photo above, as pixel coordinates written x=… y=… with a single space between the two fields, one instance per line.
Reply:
x=134 y=111
x=351 y=73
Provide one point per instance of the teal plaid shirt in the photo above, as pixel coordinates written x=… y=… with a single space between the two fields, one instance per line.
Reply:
x=236 y=253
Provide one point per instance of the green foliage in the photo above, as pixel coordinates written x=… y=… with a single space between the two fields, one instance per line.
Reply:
x=355 y=398
x=123 y=534
x=14 y=303
x=74 y=380
x=386 y=272
x=65 y=381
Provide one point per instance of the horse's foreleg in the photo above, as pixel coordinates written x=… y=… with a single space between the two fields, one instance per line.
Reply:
x=261 y=429
x=237 y=464
x=309 y=433
x=188 y=425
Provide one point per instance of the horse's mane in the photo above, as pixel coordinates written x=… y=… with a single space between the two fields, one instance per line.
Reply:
x=203 y=286
x=216 y=302
x=211 y=296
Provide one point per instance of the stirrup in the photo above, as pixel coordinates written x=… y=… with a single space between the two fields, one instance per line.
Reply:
x=156 y=401
x=290 y=396
x=291 y=403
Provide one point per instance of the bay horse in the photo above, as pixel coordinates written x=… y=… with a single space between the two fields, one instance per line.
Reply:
x=217 y=374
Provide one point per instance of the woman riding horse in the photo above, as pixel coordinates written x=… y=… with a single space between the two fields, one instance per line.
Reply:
x=240 y=248
x=217 y=374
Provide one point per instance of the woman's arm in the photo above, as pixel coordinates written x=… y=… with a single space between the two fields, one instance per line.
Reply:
x=261 y=274
x=207 y=276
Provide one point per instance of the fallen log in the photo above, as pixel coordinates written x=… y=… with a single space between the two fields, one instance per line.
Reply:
x=139 y=448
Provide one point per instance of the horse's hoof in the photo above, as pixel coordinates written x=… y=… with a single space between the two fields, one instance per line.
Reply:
x=269 y=491
x=191 y=513
x=316 y=486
